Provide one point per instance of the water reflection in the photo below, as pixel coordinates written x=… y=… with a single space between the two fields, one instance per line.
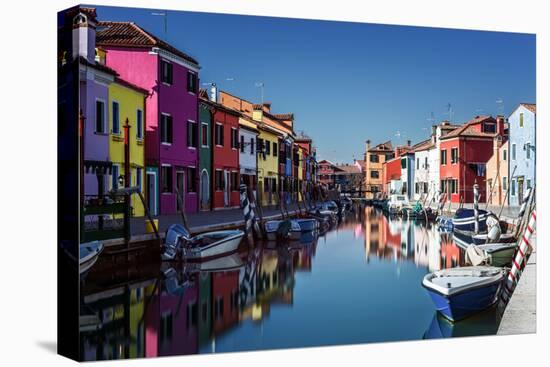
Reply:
x=357 y=283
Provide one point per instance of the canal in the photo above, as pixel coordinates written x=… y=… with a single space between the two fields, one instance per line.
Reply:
x=360 y=282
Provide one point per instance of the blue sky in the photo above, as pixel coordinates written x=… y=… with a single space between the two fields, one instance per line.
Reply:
x=349 y=82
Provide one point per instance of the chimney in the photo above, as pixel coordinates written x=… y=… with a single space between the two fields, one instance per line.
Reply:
x=84 y=23
x=408 y=143
x=214 y=93
x=368 y=144
x=266 y=107
x=500 y=124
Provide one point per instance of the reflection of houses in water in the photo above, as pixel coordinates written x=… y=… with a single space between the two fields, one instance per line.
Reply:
x=427 y=249
x=172 y=321
x=451 y=254
x=120 y=313
x=274 y=282
x=205 y=307
x=225 y=300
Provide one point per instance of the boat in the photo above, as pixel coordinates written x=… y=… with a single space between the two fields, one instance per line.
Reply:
x=179 y=244
x=89 y=253
x=444 y=223
x=283 y=229
x=460 y=292
x=494 y=254
x=464 y=219
x=397 y=203
x=308 y=224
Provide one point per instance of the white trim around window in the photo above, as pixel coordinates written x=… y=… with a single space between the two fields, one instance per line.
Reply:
x=119 y=132
x=105 y=116
x=139 y=111
x=160 y=128
x=207 y=137
x=215 y=143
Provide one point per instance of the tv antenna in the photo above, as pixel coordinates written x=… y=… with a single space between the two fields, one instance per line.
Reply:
x=500 y=106
x=164 y=14
x=261 y=86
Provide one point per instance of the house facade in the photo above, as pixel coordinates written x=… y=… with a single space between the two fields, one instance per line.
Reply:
x=391 y=176
x=422 y=164
x=171 y=112
x=464 y=153
x=407 y=173
x=522 y=124
x=206 y=112
x=326 y=173
x=248 y=138
x=374 y=162
x=497 y=173
x=127 y=105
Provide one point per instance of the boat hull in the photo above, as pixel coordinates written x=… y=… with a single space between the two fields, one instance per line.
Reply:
x=307 y=225
x=464 y=220
x=222 y=247
x=461 y=305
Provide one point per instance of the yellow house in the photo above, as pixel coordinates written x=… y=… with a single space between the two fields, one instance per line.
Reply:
x=127 y=102
x=268 y=165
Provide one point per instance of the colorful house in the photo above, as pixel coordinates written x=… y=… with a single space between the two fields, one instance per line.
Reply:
x=422 y=189
x=127 y=106
x=326 y=173
x=308 y=159
x=171 y=112
x=248 y=138
x=392 y=172
x=497 y=172
x=522 y=150
x=464 y=153
x=407 y=171
x=205 y=152
x=374 y=162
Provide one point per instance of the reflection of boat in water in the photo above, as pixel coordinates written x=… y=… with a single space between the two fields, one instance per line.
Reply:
x=460 y=292
x=225 y=263
x=484 y=323
x=179 y=243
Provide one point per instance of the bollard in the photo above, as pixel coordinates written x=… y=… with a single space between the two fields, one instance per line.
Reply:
x=247 y=210
x=519 y=261
x=476 y=208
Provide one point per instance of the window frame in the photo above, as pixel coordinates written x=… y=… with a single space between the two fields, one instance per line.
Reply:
x=170 y=72
x=163 y=176
x=454 y=159
x=113 y=103
x=193 y=144
x=195 y=78
x=219 y=135
x=139 y=124
x=443 y=157
x=513 y=152
x=104 y=117
x=204 y=135
x=170 y=132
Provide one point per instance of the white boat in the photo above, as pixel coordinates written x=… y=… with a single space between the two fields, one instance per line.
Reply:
x=284 y=229
x=495 y=254
x=179 y=244
x=460 y=292
x=89 y=253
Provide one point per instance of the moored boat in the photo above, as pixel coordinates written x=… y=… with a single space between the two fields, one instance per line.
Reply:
x=494 y=254
x=307 y=224
x=460 y=292
x=464 y=219
x=179 y=244
x=283 y=229
x=89 y=253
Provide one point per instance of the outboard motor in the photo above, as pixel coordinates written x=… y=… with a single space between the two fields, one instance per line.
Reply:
x=175 y=234
x=283 y=231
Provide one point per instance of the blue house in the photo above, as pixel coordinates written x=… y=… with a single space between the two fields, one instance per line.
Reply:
x=522 y=132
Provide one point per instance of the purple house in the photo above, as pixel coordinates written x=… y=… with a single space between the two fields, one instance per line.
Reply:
x=94 y=97
x=171 y=137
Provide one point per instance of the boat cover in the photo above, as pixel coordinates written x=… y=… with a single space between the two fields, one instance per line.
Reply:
x=451 y=281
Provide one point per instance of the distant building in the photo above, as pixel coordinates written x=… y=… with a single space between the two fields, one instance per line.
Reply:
x=522 y=150
x=348 y=177
x=374 y=161
x=326 y=173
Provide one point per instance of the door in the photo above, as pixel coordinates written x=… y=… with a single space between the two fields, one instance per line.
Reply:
x=226 y=187
x=205 y=190
x=520 y=190
x=180 y=185
x=151 y=184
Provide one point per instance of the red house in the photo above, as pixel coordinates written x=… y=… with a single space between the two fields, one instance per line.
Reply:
x=326 y=173
x=391 y=170
x=463 y=157
x=225 y=135
x=225 y=298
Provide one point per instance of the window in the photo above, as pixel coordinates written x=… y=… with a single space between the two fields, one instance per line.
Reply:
x=204 y=135
x=454 y=155
x=139 y=172
x=266 y=184
x=275 y=149
x=165 y=129
x=489 y=127
x=513 y=152
x=521 y=120
x=416 y=185
x=260 y=143
x=513 y=188
x=528 y=183
x=417 y=163
x=403 y=163
x=116 y=118
x=426 y=163
x=166 y=179
x=191 y=82
x=192 y=134
x=218 y=180
x=100 y=117
x=374 y=158
x=251 y=145
x=191 y=179
x=242 y=144
x=234 y=181
x=425 y=187
x=234 y=138
x=505 y=183
x=374 y=174
x=166 y=72
x=528 y=150
x=219 y=134
x=267 y=147
x=389 y=156
x=114 y=176
x=443 y=157
x=453 y=186
x=504 y=154
x=139 y=124
x=273 y=185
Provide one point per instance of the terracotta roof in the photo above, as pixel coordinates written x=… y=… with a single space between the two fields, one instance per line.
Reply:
x=219 y=106
x=347 y=168
x=468 y=128
x=97 y=66
x=284 y=116
x=423 y=145
x=387 y=146
x=530 y=106
x=129 y=34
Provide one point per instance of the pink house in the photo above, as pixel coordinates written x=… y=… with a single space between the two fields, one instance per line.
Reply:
x=171 y=137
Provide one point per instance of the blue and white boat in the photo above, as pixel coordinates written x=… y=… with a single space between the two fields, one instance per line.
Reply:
x=88 y=255
x=288 y=229
x=308 y=224
x=464 y=219
x=460 y=292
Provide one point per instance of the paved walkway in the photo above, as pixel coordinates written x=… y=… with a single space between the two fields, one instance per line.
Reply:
x=520 y=315
x=508 y=212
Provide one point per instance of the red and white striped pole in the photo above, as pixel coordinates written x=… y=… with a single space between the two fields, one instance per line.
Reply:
x=519 y=261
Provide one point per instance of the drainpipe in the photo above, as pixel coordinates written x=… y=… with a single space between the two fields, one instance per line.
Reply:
x=127 y=180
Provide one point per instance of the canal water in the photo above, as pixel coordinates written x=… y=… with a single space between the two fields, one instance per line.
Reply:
x=360 y=282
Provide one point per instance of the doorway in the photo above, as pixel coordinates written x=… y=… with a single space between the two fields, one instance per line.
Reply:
x=226 y=187
x=520 y=189
x=205 y=190
x=151 y=185
x=180 y=185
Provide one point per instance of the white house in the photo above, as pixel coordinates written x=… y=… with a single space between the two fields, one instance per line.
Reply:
x=248 y=136
x=422 y=189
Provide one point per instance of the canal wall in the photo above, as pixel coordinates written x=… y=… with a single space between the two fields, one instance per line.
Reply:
x=520 y=315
